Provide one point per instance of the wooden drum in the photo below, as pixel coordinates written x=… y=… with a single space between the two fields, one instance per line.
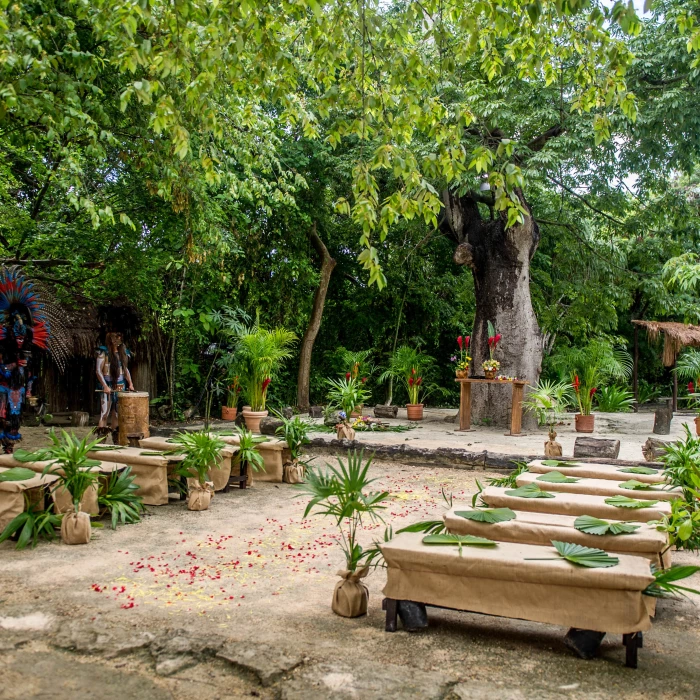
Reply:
x=133 y=408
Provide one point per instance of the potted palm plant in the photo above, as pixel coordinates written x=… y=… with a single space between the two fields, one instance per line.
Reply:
x=589 y=366
x=295 y=433
x=411 y=366
x=76 y=474
x=233 y=390
x=248 y=458
x=344 y=395
x=342 y=494
x=358 y=366
x=202 y=453
x=548 y=400
x=261 y=353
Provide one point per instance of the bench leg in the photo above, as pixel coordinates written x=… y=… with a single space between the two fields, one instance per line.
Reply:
x=391 y=607
x=632 y=642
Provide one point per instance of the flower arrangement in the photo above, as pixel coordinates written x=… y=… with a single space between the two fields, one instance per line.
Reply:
x=584 y=394
x=492 y=365
x=233 y=392
x=462 y=367
x=414 y=386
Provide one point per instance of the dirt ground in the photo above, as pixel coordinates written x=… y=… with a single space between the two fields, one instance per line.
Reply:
x=234 y=602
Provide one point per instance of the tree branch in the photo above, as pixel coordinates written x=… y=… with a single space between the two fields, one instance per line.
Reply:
x=539 y=142
x=661 y=82
x=580 y=197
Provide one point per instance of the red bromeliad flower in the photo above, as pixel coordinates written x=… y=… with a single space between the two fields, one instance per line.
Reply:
x=265 y=384
x=460 y=340
x=577 y=383
x=497 y=339
x=592 y=391
x=466 y=341
x=347 y=375
x=410 y=381
x=413 y=370
x=691 y=388
x=363 y=380
x=418 y=381
x=491 y=340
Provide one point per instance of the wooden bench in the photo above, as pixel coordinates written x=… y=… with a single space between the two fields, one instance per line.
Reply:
x=542 y=528
x=574 y=504
x=602 y=487
x=219 y=477
x=506 y=581
x=12 y=495
x=150 y=472
x=589 y=470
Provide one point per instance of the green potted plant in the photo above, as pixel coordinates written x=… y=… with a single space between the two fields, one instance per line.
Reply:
x=76 y=474
x=202 y=453
x=342 y=494
x=462 y=367
x=261 y=353
x=357 y=364
x=492 y=365
x=295 y=433
x=548 y=400
x=248 y=458
x=233 y=390
x=411 y=366
x=589 y=366
x=344 y=395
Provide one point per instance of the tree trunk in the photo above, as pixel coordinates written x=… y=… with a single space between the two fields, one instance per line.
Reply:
x=307 y=342
x=499 y=259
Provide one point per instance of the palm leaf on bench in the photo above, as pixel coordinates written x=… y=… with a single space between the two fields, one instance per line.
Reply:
x=529 y=491
x=557 y=478
x=627 y=502
x=487 y=515
x=634 y=485
x=597 y=526
x=459 y=541
x=589 y=557
x=639 y=470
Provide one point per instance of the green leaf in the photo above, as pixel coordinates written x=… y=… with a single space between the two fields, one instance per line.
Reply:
x=634 y=485
x=487 y=515
x=596 y=526
x=458 y=540
x=17 y=474
x=430 y=526
x=585 y=556
x=639 y=470
x=558 y=463
x=557 y=478
x=529 y=491
x=627 y=502
x=664 y=586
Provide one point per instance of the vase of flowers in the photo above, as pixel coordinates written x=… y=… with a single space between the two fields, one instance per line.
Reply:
x=462 y=367
x=492 y=365
x=585 y=420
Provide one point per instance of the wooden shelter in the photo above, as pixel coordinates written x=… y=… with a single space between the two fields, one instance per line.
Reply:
x=676 y=337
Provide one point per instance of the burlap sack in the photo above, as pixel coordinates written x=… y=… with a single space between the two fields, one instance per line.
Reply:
x=75 y=528
x=345 y=432
x=294 y=472
x=199 y=497
x=552 y=448
x=351 y=596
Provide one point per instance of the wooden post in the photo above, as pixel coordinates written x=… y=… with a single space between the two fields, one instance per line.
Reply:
x=635 y=369
x=516 y=409
x=675 y=389
x=465 y=405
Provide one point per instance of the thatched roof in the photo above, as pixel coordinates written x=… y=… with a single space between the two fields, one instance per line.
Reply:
x=676 y=337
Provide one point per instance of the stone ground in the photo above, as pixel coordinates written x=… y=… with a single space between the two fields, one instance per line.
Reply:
x=234 y=602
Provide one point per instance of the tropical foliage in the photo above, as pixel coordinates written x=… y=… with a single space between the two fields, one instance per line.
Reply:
x=32 y=525
x=202 y=452
x=120 y=499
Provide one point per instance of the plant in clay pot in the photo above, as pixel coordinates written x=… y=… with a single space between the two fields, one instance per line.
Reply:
x=492 y=365
x=233 y=391
x=358 y=365
x=295 y=433
x=342 y=494
x=411 y=367
x=548 y=400
x=260 y=353
x=462 y=366
x=75 y=471
x=344 y=395
x=202 y=452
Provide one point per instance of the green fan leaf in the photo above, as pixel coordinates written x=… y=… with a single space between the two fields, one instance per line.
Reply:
x=557 y=478
x=627 y=502
x=487 y=515
x=585 y=556
x=634 y=485
x=558 y=463
x=430 y=526
x=596 y=526
x=639 y=470
x=529 y=491
x=458 y=540
x=17 y=474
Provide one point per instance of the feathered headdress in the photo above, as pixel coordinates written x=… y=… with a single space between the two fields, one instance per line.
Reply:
x=19 y=295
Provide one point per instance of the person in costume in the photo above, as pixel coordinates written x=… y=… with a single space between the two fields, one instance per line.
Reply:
x=112 y=369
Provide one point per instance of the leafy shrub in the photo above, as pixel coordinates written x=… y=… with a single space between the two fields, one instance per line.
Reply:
x=32 y=525
x=121 y=500
x=614 y=399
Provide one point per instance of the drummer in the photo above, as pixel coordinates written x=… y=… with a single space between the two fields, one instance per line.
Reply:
x=113 y=374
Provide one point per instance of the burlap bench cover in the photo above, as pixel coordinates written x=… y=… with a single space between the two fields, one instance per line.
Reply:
x=219 y=477
x=274 y=453
x=601 y=487
x=12 y=493
x=574 y=504
x=594 y=471
x=150 y=472
x=501 y=581
x=542 y=528
x=61 y=497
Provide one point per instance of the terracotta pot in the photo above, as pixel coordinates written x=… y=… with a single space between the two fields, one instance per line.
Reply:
x=252 y=419
x=357 y=413
x=490 y=373
x=414 y=411
x=585 y=424
x=229 y=413
x=697 y=425
x=462 y=373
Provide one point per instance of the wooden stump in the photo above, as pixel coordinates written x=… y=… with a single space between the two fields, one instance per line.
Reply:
x=386 y=411
x=596 y=447
x=662 y=419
